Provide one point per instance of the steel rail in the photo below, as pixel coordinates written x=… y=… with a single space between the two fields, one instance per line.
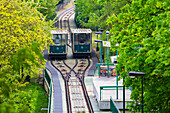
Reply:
x=66 y=89
x=83 y=85
x=68 y=75
x=84 y=88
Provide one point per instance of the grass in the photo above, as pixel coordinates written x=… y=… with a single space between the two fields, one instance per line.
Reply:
x=38 y=95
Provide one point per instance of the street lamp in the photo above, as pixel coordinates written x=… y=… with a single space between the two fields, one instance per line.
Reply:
x=101 y=30
x=136 y=74
x=100 y=33
x=97 y=48
x=107 y=33
x=117 y=44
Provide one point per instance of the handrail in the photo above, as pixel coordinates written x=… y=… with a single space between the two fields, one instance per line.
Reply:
x=49 y=101
x=49 y=83
x=109 y=88
x=113 y=106
x=47 y=78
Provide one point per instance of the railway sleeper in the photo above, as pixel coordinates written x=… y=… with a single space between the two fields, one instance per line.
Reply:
x=77 y=98
x=79 y=106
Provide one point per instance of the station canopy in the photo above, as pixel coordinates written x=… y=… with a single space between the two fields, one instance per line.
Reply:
x=59 y=32
x=81 y=31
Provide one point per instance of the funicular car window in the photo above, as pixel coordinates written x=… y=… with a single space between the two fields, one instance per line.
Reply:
x=87 y=41
x=57 y=39
x=76 y=39
x=82 y=38
x=63 y=40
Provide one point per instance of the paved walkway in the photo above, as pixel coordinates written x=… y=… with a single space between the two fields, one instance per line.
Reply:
x=57 y=100
x=95 y=61
x=106 y=94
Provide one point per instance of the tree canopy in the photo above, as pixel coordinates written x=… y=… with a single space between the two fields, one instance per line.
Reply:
x=142 y=31
x=94 y=13
x=141 y=27
x=48 y=8
x=24 y=36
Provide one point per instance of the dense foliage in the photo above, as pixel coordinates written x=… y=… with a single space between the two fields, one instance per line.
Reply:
x=24 y=35
x=48 y=8
x=94 y=13
x=142 y=30
x=141 y=27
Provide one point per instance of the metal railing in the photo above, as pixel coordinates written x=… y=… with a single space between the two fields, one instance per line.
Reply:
x=49 y=83
x=110 y=88
x=113 y=106
x=98 y=67
x=47 y=78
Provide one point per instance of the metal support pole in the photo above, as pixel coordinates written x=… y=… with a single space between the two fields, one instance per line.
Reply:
x=123 y=96
x=117 y=77
x=107 y=32
x=100 y=94
x=101 y=49
x=117 y=86
x=117 y=53
x=103 y=55
x=99 y=71
x=97 y=48
x=142 y=94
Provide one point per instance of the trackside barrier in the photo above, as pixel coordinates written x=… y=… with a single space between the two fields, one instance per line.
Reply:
x=110 y=88
x=49 y=82
x=113 y=107
x=47 y=77
x=101 y=67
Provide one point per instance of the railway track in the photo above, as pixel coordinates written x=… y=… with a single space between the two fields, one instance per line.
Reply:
x=65 y=24
x=73 y=73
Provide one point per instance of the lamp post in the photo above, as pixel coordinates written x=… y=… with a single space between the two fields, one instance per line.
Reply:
x=102 y=56
x=136 y=74
x=117 y=44
x=97 y=48
x=100 y=33
x=107 y=33
x=123 y=95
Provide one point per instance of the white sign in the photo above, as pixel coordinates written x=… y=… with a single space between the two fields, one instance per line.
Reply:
x=106 y=44
x=113 y=58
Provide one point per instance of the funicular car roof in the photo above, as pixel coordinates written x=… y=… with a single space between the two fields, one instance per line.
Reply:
x=59 y=32
x=81 y=31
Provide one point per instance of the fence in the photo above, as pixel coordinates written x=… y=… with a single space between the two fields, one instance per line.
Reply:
x=110 y=88
x=49 y=83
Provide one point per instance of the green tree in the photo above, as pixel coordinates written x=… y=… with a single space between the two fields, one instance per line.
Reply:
x=24 y=36
x=48 y=8
x=142 y=29
x=94 y=13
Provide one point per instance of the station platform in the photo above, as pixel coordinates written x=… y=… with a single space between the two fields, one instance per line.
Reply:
x=103 y=96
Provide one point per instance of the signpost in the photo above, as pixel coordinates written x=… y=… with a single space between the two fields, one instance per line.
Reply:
x=106 y=44
x=99 y=33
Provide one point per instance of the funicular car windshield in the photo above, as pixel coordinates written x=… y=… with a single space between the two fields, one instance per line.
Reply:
x=81 y=38
x=60 y=39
